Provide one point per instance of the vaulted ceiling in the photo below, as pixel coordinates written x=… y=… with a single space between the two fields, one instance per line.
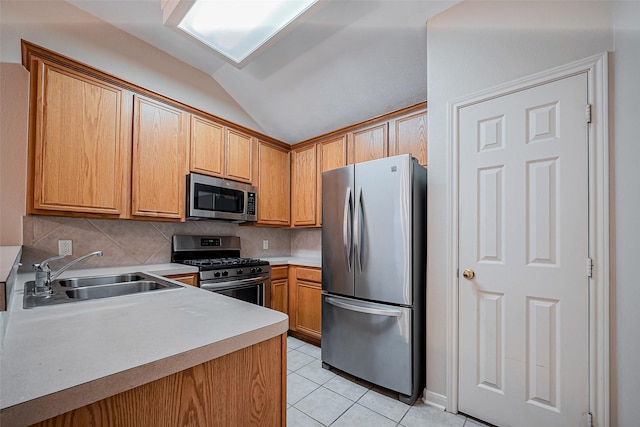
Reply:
x=348 y=61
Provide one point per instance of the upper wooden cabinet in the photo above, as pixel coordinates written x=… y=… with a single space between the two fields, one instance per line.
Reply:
x=273 y=185
x=207 y=147
x=332 y=154
x=409 y=135
x=100 y=146
x=79 y=143
x=238 y=160
x=159 y=162
x=303 y=186
x=220 y=151
x=370 y=143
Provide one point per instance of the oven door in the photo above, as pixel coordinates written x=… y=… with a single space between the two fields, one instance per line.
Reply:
x=254 y=290
x=210 y=197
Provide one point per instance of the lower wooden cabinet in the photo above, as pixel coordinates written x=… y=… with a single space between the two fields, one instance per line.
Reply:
x=243 y=388
x=280 y=289
x=187 y=279
x=305 y=302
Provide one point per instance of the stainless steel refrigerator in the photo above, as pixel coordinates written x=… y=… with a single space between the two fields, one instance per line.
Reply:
x=374 y=272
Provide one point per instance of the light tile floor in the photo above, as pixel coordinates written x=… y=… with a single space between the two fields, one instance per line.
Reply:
x=319 y=397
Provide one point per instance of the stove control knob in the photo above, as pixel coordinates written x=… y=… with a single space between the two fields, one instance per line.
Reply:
x=225 y=273
x=259 y=269
x=239 y=272
x=253 y=270
x=216 y=274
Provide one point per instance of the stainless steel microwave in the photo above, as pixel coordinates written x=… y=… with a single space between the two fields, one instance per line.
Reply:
x=215 y=198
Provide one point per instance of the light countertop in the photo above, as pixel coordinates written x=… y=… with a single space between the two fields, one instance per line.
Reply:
x=61 y=357
x=295 y=260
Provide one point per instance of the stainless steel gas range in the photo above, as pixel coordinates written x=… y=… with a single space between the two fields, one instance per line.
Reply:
x=221 y=269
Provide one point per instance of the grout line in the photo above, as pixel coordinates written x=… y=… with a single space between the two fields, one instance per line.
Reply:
x=35 y=241
x=113 y=241
x=161 y=233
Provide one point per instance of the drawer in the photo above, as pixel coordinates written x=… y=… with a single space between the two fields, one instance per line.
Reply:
x=279 y=272
x=309 y=274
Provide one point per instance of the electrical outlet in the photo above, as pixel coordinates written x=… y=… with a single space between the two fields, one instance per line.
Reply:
x=65 y=247
x=265 y=244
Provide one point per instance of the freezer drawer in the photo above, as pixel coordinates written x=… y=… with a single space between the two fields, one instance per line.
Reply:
x=370 y=341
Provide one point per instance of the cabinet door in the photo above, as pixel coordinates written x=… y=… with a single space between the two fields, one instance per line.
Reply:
x=187 y=279
x=279 y=290
x=370 y=143
x=409 y=135
x=331 y=154
x=303 y=191
x=273 y=185
x=309 y=307
x=238 y=161
x=207 y=147
x=81 y=143
x=305 y=301
x=159 y=166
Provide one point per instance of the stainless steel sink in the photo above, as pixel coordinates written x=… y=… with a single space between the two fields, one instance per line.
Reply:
x=89 y=288
x=78 y=282
x=115 y=289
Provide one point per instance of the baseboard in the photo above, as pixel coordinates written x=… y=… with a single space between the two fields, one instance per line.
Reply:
x=435 y=399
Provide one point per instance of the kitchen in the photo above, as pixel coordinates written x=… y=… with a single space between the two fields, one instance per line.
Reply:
x=449 y=33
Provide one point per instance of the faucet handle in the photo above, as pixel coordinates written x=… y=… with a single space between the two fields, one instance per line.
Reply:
x=44 y=265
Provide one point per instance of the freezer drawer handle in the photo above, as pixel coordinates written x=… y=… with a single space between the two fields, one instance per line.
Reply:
x=363 y=309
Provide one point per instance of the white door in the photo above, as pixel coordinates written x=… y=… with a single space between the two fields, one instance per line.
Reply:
x=523 y=231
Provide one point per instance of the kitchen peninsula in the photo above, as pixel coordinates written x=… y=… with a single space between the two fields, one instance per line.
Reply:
x=172 y=357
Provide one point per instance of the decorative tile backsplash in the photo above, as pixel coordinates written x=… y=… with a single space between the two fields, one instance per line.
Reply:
x=126 y=242
x=306 y=242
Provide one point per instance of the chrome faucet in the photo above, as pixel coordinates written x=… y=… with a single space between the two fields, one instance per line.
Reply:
x=44 y=275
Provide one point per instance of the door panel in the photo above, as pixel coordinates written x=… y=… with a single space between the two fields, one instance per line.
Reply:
x=369 y=341
x=523 y=227
x=382 y=226
x=337 y=248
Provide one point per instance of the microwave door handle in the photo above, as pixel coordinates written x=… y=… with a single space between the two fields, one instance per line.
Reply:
x=346 y=227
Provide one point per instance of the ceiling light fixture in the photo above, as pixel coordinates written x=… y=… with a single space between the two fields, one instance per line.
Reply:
x=238 y=28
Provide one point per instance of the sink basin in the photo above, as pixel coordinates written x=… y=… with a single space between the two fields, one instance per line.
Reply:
x=77 y=282
x=115 y=289
x=89 y=288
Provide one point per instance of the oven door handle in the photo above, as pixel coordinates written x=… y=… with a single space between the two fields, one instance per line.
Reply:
x=231 y=283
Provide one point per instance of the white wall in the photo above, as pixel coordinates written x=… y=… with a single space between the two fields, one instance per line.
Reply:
x=14 y=100
x=625 y=245
x=471 y=47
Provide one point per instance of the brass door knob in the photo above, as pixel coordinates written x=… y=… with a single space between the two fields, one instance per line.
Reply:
x=468 y=274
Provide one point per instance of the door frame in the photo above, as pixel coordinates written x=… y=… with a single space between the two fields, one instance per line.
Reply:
x=596 y=68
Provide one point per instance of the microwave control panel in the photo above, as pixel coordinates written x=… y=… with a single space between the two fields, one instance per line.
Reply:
x=251 y=203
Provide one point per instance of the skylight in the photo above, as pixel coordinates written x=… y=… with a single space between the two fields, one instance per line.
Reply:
x=237 y=28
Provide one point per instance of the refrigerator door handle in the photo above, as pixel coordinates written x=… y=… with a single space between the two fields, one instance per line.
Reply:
x=363 y=308
x=357 y=229
x=346 y=227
